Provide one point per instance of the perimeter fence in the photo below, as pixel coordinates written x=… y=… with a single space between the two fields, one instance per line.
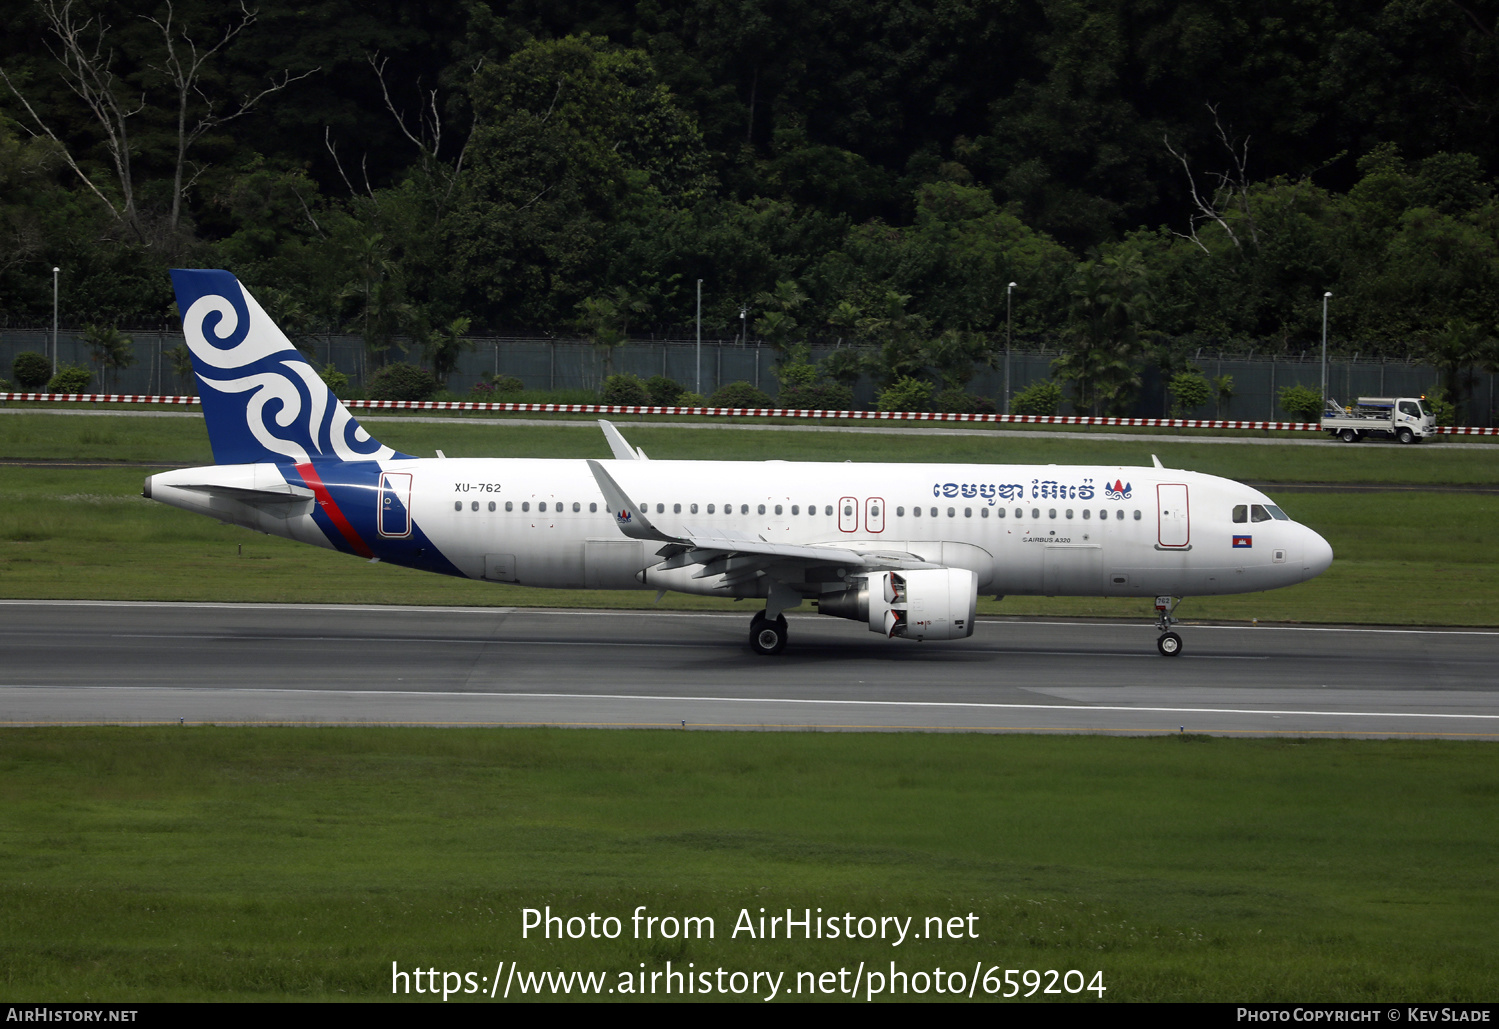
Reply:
x=574 y=364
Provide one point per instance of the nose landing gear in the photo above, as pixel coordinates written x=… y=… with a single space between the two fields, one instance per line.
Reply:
x=1169 y=644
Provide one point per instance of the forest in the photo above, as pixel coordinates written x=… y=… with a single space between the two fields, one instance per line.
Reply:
x=1124 y=181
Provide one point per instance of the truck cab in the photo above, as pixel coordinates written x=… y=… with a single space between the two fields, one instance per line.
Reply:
x=1407 y=419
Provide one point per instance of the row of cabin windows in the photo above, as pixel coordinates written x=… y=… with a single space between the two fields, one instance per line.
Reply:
x=848 y=511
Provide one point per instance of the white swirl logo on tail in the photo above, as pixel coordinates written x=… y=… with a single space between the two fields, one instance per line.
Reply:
x=289 y=381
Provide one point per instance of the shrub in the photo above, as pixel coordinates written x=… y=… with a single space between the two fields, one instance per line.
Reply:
x=1189 y=390
x=625 y=389
x=740 y=394
x=336 y=381
x=5 y=386
x=664 y=391
x=70 y=378
x=1041 y=398
x=32 y=370
x=401 y=382
x=690 y=399
x=1302 y=402
x=957 y=401
x=1444 y=410
x=905 y=394
x=825 y=396
x=506 y=385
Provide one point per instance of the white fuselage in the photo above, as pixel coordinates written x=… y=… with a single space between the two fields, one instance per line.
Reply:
x=1025 y=529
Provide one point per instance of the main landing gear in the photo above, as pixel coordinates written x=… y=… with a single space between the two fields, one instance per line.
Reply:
x=1170 y=644
x=767 y=635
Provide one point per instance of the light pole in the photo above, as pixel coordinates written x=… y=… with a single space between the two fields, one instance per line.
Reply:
x=1009 y=291
x=698 y=389
x=1325 y=298
x=55 y=270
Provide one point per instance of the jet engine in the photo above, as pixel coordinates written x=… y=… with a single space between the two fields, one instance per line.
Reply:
x=927 y=604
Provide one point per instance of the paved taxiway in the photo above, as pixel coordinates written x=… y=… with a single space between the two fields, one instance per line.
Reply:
x=84 y=662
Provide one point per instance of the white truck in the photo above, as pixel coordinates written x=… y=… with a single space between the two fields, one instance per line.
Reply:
x=1407 y=419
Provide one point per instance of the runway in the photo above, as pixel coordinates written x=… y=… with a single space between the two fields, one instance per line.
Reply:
x=112 y=663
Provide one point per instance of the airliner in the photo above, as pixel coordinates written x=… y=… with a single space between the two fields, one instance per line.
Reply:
x=905 y=549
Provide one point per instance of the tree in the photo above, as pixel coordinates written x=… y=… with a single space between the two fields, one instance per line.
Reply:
x=86 y=52
x=1454 y=349
x=444 y=347
x=1111 y=297
x=109 y=349
x=1189 y=390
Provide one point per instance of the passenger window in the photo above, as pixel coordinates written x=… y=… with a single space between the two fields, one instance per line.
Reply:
x=1137 y=515
x=934 y=512
x=542 y=506
x=660 y=508
x=778 y=509
x=1257 y=513
x=1087 y=514
x=874 y=512
x=915 y=512
x=457 y=505
x=967 y=512
x=796 y=509
x=983 y=512
x=900 y=512
x=952 y=513
x=509 y=505
x=693 y=509
x=1241 y=512
x=676 y=509
x=1119 y=515
x=744 y=509
x=1052 y=513
x=761 y=509
x=1035 y=513
x=592 y=508
x=827 y=510
x=1406 y=407
x=1069 y=512
x=525 y=505
x=848 y=510
x=491 y=505
x=475 y=507
x=1000 y=512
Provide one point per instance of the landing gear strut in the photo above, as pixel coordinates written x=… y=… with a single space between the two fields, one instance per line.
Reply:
x=1170 y=644
x=767 y=635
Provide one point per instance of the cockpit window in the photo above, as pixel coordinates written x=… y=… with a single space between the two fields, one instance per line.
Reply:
x=1258 y=513
x=1277 y=513
x=1241 y=512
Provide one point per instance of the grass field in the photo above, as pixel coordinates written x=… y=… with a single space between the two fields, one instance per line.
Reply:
x=169 y=864
x=85 y=533
x=296 y=863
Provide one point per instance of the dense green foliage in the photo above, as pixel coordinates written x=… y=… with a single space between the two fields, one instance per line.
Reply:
x=32 y=370
x=1151 y=178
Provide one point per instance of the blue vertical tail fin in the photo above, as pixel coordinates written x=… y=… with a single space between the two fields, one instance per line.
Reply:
x=261 y=399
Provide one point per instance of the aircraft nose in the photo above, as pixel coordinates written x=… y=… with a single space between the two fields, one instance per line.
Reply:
x=1316 y=555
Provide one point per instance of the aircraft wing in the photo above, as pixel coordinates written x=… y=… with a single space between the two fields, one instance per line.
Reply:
x=739 y=555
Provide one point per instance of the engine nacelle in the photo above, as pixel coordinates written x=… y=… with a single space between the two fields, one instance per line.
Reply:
x=927 y=604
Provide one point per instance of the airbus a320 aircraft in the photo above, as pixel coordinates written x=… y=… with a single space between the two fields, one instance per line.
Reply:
x=903 y=548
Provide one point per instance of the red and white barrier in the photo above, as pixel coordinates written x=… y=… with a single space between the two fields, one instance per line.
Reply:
x=750 y=412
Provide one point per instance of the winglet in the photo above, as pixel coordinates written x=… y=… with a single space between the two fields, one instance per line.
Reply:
x=621 y=449
x=1157 y=461
x=630 y=518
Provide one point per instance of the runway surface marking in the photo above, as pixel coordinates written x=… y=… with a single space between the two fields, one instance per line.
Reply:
x=649 y=698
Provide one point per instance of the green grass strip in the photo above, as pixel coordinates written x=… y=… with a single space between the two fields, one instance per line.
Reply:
x=215 y=863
